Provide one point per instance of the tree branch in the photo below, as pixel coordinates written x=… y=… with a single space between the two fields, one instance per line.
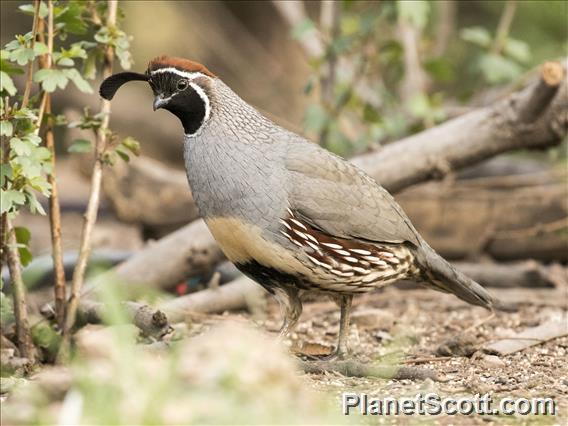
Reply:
x=54 y=209
x=294 y=13
x=473 y=137
x=153 y=323
x=352 y=368
x=96 y=178
x=504 y=26
x=30 y=70
x=25 y=344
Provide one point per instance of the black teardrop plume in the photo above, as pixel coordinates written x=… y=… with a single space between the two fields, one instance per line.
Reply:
x=111 y=84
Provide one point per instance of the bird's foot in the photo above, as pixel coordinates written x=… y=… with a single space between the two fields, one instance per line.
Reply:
x=337 y=355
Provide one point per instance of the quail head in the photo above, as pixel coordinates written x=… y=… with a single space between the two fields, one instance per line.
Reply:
x=289 y=214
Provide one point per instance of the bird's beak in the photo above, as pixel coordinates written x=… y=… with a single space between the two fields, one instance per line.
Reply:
x=159 y=102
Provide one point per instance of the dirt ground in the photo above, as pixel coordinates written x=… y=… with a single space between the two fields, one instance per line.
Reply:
x=435 y=331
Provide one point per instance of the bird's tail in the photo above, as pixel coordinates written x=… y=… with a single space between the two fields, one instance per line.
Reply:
x=445 y=277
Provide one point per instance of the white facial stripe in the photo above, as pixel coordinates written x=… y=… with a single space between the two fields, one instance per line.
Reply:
x=198 y=90
x=205 y=100
x=186 y=74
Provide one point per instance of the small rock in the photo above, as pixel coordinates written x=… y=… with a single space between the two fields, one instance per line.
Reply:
x=382 y=336
x=492 y=361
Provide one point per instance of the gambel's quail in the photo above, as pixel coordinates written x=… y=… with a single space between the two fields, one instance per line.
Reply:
x=290 y=215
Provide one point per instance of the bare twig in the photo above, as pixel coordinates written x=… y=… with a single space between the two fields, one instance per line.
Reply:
x=329 y=20
x=426 y=359
x=294 y=13
x=54 y=210
x=30 y=70
x=504 y=26
x=25 y=344
x=552 y=74
x=415 y=80
x=153 y=323
x=353 y=368
x=445 y=27
x=94 y=197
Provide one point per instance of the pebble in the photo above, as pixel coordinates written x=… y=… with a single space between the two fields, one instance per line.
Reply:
x=492 y=361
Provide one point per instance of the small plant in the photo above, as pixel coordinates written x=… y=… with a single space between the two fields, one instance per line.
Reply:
x=70 y=42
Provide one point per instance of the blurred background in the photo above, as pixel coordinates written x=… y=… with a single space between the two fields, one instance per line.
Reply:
x=353 y=76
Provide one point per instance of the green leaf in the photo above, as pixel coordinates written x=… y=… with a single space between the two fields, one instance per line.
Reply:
x=76 y=77
x=29 y=9
x=413 y=11
x=41 y=154
x=32 y=138
x=131 y=145
x=34 y=205
x=22 y=55
x=476 y=35
x=25 y=114
x=303 y=28
x=517 y=50
x=65 y=62
x=21 y=147
x=419 y=105
x=40 y=48
x=6 y=66
x=124 y=57
x=498 y=69
x=124 y=155
x=23 y=235
x=50 y=79
x=6 y=84
x=6 y=128
x=350 y=24
x=441 y=69
x=76 y=51
x=81 y=146
x=71 y=18
x=11 y=198
x=25 y=256
x=5 y=173
x=90 y=64
x=41 y=185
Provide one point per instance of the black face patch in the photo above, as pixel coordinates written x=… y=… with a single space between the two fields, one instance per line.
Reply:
x=184 y=102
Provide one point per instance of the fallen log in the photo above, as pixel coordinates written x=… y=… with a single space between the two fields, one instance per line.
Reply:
x=189 y=251
x=494 y=216
x=231 y=296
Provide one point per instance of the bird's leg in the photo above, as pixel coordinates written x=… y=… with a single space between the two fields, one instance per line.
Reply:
x=291 y=307
x=342 y=342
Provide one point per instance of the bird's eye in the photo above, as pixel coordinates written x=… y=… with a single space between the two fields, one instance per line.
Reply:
x=182 y=84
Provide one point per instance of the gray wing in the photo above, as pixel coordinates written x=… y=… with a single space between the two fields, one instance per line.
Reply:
x=341 y=200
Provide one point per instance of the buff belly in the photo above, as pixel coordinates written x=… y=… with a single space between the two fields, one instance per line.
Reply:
x=271 y=264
